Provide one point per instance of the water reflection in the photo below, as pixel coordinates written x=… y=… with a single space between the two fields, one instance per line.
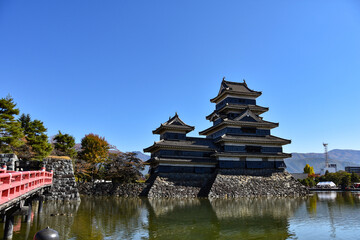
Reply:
x=106 y=217
x=327 y=215
x=255 y=218
x=321 y=216
x=327 y=196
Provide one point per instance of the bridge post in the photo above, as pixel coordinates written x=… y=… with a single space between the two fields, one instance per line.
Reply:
x=28 y=214
x=41 y=200
x=9 y=227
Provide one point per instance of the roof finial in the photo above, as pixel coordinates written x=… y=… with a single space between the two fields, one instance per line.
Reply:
x=223 y=78
x=244 y=82
x=175 y=114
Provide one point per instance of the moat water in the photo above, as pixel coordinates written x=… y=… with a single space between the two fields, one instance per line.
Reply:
x=321 y=216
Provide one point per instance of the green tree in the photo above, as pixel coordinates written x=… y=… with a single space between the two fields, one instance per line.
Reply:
x=124 y=167
x=35 y=134
x=345 y=181
x=355 y=178
x=64 y=145
x=25 y=121
x=10 y=130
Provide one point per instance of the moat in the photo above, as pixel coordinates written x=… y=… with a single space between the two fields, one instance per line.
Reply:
x=321 y=216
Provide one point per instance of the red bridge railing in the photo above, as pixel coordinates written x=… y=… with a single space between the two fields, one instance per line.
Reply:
x=14 y=184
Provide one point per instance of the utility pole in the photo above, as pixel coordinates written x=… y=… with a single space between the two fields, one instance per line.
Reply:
x=326 y=155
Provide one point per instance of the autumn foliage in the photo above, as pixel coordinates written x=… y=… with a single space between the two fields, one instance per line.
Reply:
x=94 y=149
x=309 y=170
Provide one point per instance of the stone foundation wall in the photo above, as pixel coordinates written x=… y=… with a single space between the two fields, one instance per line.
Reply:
x=253 y=183
x=64 y=185
x=179 y=185
x=221 y=184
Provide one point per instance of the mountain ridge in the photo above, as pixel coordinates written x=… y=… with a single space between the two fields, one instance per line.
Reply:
x=342 y=158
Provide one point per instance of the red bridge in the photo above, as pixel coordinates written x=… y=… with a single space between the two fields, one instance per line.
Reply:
x=18 y=189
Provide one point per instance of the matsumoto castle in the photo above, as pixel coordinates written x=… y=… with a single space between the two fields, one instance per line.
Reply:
x=239 y=138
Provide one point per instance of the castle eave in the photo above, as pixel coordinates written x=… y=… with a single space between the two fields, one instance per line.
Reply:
x=185 y=161
x=240 y=94
x=181 y=145
x=238 y=107
x=226 y=122
x=269 y=139
x=255 y=155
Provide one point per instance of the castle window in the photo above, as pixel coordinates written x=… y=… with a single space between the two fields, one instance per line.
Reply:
x=253 y=149
x=248 y=130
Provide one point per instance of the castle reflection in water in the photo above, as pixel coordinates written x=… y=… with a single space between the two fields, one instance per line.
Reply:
x=324 y=216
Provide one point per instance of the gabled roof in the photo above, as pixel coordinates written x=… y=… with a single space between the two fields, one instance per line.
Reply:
x=238 y=107
x=175 y=124
x=235 y=88
x=246 y=119
x=248 y=114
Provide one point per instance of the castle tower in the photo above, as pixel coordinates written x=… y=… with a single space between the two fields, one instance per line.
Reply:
x=242 y=137
x=177 y=153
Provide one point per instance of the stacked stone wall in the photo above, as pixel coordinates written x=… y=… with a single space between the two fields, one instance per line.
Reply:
x=64 y=186
x=255 y=183
x=179 y=185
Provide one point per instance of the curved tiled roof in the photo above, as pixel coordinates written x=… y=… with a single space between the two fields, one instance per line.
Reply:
x=174 y=123
x=255 y=108
x=235 y=88
x=200 y=144
x=269 y=139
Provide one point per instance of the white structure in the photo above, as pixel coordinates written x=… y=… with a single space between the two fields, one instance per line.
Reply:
x=326 y=185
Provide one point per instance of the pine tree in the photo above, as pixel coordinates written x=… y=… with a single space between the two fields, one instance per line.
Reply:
x=25 y=121
x=64 y=145
x=35 y=134
x=10 y=130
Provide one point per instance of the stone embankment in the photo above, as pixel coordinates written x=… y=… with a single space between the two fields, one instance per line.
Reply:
x=107 y=189
x=64 y=186
x=237 y=183
x=179 y=185
x=222 y=184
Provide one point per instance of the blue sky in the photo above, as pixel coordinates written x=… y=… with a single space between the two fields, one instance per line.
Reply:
x=120 y=68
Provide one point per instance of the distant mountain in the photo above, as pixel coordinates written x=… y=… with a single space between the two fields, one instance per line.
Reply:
x=342 y=158
x=143 y=157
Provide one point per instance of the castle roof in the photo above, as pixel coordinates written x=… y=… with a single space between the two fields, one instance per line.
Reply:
x=235 y=88
x=173 y=124
x=269 y=139
x=246 y=119
x=238 y=107
x=190 y=161
x=259 y=155
x=190 y=143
